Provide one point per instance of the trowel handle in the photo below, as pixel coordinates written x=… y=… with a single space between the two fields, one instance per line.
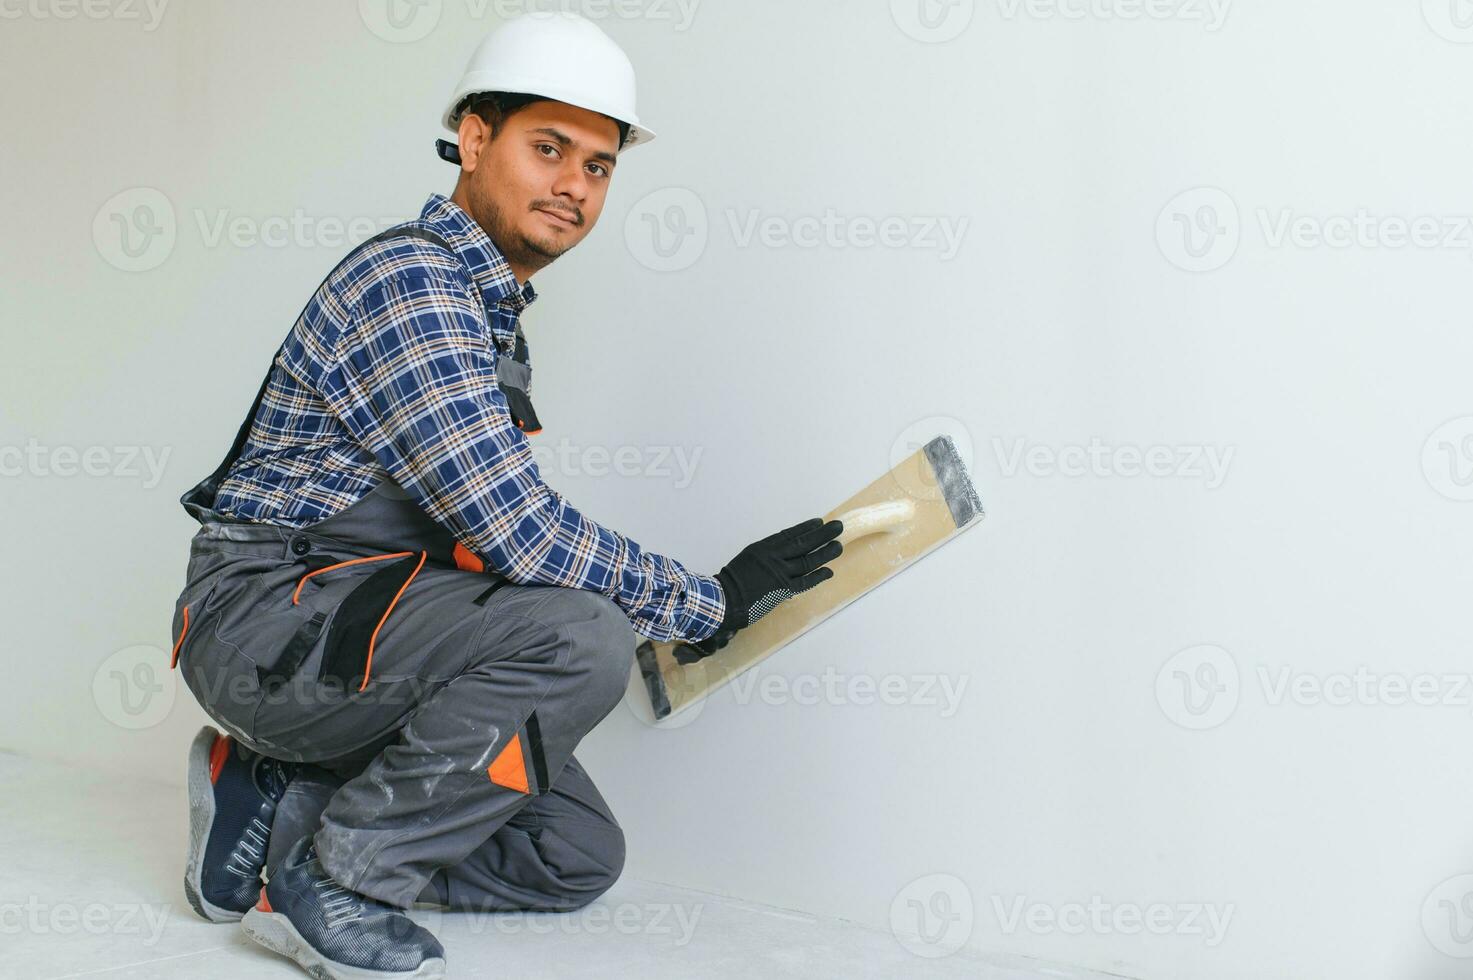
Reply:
x=890 y=516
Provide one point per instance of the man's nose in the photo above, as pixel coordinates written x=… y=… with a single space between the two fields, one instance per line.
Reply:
x=572 y=182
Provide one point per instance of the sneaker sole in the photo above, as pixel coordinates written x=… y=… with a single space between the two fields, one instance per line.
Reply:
x=276 y=932
x=201 y=816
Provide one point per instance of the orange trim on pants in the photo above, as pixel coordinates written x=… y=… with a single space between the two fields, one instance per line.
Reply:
x=344 y=564
x=465 y=559
x=368 y=664
x=508 y=769
x=174 y=657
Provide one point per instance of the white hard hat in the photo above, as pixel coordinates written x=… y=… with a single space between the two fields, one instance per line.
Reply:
x=559 y=55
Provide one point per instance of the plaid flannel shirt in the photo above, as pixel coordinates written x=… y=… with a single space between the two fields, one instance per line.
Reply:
x=391 y=370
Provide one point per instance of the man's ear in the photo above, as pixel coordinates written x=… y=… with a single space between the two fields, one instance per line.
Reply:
x=473 y=135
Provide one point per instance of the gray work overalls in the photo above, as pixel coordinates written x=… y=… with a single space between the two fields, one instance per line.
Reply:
x=439 y=704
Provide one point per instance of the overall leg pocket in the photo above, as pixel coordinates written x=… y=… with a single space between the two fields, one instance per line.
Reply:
x=221 y=678
x=242 y=641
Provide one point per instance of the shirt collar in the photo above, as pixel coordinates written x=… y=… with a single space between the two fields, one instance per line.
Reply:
x=489 y=268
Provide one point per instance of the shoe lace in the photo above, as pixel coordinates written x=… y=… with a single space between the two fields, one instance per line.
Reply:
x=339 y=905
x=249 y=852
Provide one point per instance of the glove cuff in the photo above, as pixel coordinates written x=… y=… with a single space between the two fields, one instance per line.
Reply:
x=735 y=615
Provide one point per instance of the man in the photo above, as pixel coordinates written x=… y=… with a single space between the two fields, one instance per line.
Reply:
x=403 y=630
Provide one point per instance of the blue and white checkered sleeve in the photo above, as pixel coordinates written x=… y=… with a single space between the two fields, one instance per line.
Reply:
x=413 y=378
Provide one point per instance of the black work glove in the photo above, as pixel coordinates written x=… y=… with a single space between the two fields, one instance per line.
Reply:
x=765 y=573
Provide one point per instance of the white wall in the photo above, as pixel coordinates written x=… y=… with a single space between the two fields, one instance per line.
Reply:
x=1332 y=542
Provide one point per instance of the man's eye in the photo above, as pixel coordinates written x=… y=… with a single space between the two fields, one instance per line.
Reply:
x=546 y=146
x=601 y=171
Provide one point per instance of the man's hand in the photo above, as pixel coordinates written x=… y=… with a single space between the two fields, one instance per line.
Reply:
x=769 y=571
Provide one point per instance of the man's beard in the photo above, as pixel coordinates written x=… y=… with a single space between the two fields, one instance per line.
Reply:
x=528 y=252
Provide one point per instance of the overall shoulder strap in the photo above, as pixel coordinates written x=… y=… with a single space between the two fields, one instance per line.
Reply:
x=205 y=492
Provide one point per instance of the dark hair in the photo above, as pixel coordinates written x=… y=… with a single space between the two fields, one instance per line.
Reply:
x=495 y=108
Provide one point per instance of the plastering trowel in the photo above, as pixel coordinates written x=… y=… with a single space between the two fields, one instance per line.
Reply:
x=903 y=516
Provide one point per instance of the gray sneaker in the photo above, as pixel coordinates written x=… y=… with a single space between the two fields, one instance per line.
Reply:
x=337 y=934
x=233 y=793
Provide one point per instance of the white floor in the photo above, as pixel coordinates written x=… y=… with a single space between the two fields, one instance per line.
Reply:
x=90 y=887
